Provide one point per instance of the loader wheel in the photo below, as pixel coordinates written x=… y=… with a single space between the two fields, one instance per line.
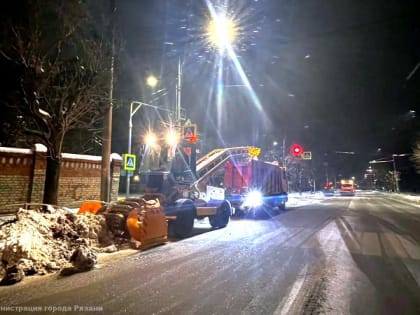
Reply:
x=221 y=219
x=116 y=223
x=184 y=221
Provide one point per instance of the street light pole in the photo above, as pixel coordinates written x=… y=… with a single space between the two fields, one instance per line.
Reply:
x=397 y=186
x=394 y=166
x=133 y=111
x=178 y=95
x=130 y=131
x=395 y=174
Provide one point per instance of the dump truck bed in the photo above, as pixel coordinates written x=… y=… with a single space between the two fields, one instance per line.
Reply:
x=268 y=178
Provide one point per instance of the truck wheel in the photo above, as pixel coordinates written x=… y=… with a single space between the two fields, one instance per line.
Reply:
x=221 y=219
x=185 y=216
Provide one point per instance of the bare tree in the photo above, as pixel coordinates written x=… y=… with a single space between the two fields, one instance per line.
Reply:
x=62 y=77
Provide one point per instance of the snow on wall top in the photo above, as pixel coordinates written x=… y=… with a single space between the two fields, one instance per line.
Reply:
x=42 y=148
x=15 y=150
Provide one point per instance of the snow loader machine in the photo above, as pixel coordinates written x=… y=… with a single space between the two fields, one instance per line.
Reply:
x=187 y=188
x=174 y=189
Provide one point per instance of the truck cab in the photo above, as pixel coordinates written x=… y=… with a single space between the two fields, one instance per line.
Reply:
x=347 y=187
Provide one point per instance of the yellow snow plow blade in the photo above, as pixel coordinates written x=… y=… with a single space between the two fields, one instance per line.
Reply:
x=148 y=225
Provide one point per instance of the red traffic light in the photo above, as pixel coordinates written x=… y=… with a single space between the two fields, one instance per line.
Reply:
x=297 y=150
x=192 y=139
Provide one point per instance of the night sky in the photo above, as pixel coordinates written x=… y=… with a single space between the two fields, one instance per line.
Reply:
x=334 y=76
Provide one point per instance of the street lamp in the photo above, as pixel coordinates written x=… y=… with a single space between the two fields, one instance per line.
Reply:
x=221 y=31
x=394 y=167
x=151 y=81
x=134 y=107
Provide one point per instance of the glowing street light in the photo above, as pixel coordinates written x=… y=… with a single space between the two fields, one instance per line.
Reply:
x=221 y=31
x=150 y=139
x=172 y=138
x=151 y=81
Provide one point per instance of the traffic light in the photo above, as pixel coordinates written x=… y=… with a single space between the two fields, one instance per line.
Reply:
x=192 y=139
x=297 y=150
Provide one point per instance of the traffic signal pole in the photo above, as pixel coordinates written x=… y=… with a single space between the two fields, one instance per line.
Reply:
x=178 y=96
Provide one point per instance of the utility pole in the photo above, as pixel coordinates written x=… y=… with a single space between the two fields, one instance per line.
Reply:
x=397 y=188
x=178 y=96
x=283 y=151
x=107 y=132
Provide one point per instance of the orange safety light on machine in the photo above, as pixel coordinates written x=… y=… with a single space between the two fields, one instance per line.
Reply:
x=297 y=150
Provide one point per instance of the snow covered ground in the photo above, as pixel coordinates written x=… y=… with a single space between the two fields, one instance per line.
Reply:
x=304 y=199
x=415 y=199
x=307 y=198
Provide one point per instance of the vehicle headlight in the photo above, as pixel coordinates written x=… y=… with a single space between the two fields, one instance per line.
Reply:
x=253 y=199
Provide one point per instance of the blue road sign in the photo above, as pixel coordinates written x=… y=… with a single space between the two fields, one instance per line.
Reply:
x=130 y=162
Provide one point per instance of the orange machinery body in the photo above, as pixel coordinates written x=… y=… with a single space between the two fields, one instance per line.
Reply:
x=144 y=220
x=148 y=225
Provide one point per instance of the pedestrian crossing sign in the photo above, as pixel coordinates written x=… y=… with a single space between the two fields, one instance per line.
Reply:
x=129 y=162
x=189 y=131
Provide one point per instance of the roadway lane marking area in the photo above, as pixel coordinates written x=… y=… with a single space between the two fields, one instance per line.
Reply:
x=412 y=249
x=287 y=302
x=328 y=238
x=393 y=246
x=370 y=244
x=361 y=243
x=351 y=241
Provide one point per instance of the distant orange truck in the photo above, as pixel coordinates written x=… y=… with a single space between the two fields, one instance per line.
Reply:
x=347 y=187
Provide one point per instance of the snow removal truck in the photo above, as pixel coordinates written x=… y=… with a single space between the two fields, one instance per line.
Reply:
x=175 y=189
x=255 y=187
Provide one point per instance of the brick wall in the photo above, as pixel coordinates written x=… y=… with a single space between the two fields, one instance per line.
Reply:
x=15 y=171
x=22 y=176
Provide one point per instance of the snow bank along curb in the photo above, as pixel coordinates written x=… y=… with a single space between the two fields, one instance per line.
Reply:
x=39 y=242
x=406 y=197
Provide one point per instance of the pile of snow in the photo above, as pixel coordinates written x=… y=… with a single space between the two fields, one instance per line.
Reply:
x=43 y=241
x=304 y=199
x=414 y=199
